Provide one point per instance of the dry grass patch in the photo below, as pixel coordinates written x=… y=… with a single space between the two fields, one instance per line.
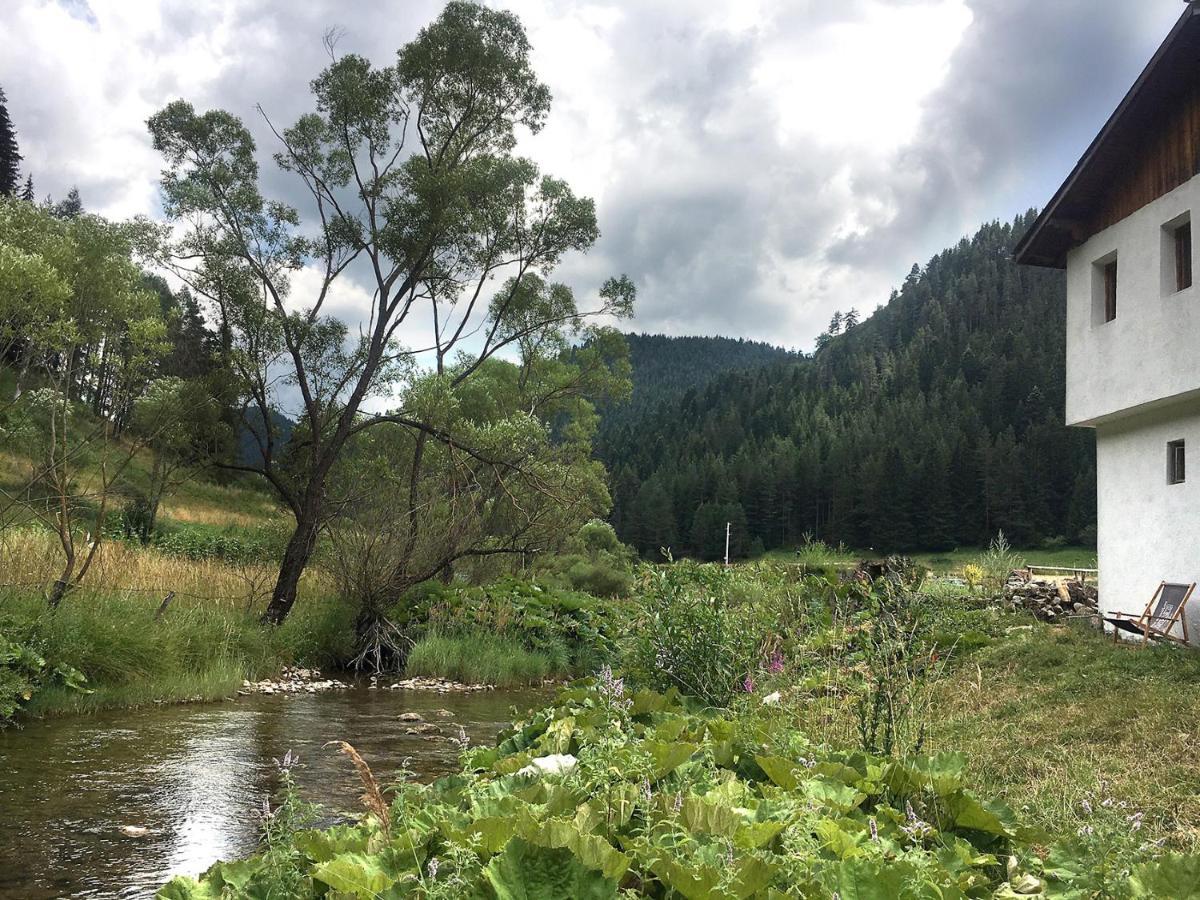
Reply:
x=31 y=559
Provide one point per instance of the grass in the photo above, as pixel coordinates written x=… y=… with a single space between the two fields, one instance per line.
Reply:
x=954 y=560
x=820 y=555
x=206 y=641
x=1055 y=716
x=478 y=659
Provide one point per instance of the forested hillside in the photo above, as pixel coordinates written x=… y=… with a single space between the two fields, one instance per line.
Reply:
x=933 y=423
x=665 y=368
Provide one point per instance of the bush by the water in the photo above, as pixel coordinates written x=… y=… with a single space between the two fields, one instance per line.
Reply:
x=609 y=794
x=544 y=629
x=480 y=658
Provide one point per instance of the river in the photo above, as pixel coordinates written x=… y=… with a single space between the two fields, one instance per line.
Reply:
x=196 y=777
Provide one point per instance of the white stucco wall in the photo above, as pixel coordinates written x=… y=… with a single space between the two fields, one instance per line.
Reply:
x=1148 y=530
x=1149 y=352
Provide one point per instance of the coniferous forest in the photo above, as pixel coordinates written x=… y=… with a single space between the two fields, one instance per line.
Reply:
x=934 y=423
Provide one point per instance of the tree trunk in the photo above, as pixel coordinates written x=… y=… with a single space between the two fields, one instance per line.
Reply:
x=299 y=550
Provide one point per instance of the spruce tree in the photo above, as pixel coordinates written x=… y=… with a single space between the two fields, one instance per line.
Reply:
x=10 y=157
x=71 y=207
x=27 y=191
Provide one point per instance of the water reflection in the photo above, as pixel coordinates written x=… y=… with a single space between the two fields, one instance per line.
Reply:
x=196 y=777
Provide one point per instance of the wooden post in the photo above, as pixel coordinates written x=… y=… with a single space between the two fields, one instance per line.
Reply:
x=162 y=607
x=727 y=526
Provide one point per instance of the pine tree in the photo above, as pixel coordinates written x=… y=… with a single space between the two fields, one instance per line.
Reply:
x=10 y=156
x=27 y=191
x=71 y=207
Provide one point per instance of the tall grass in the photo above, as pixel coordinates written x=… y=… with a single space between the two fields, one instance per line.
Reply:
x=480 y=658
x=31 y=559
x=205 y=641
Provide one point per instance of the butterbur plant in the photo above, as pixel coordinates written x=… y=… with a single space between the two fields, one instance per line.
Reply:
x=671 y=812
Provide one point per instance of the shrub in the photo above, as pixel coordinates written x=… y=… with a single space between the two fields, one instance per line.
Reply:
x=570 y=630
x=999 y=560
x=136 y=519
x=480 y=659
x=692 y=637
x=24 y=671
x=595 y=562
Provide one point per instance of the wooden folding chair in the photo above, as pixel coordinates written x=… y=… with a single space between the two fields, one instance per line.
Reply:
x=1159 y=617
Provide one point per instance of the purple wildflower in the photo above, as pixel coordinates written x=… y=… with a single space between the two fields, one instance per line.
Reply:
x=748 y=685
x=775 y=666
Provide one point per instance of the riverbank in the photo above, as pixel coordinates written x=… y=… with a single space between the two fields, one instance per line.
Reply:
x=920 y=732
x=179 y=623
x=196 y=777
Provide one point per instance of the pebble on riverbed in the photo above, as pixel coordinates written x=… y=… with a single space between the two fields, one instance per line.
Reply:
x=294 y=681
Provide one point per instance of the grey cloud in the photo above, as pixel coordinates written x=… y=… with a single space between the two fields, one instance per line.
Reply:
x=1027 y=90
x=713 y=213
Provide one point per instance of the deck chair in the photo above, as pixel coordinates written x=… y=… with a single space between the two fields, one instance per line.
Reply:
x=1159 y=617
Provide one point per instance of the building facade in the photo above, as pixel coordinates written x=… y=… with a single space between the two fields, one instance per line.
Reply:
x=1121 y=227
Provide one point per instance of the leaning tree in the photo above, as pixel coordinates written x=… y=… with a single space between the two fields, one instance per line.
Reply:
x=416 y=192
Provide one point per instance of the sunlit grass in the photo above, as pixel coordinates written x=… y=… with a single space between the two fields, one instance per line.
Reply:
x=32 y=559
x=1050 y=717
x=479 y=658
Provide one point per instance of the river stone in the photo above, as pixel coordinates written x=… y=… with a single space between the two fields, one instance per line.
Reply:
x=410 y=717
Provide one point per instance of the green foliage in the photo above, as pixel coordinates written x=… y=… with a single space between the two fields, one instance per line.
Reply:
x=137 y=520
x=233 y=544
x=897 y=663
x=24 y=671
x=481 y=658
x=128 y=655
x=594 y=561
x=997 y=563
x=467 y=632
x=632 y=795
x=693 y=635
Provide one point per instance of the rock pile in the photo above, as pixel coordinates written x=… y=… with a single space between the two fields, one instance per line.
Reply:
x=1051 y=600
x=294 y=681
x=440 y=685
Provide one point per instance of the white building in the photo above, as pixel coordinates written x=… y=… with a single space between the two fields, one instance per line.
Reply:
x=1121 y=227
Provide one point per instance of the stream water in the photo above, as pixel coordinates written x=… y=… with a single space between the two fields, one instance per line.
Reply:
x=196 y=777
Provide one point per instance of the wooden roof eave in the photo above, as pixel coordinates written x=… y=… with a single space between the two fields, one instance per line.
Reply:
x=1055 y=231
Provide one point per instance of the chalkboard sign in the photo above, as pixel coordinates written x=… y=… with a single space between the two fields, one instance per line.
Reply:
x=1169 y=601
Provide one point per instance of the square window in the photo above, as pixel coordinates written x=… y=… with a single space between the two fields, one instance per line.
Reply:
x=1175 y=462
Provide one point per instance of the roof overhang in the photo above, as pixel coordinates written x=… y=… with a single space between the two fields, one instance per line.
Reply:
x=1063 y=223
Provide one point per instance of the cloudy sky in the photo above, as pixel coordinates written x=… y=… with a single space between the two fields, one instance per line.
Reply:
x=756 y=164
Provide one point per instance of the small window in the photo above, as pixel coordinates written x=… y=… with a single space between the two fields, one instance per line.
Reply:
x=1183 y=256
x=1175 y=462
x=1110 y=291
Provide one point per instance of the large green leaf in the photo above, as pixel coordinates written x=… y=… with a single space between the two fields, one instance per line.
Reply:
x=356 y=874
x=183 y=888
x=527 y=872
x=870 y=879
x=591 y=849
x=1177 y=877
x=667 y=757
x=990 y=818
x=782 y=772
x=320 y=846
x=832 y=794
